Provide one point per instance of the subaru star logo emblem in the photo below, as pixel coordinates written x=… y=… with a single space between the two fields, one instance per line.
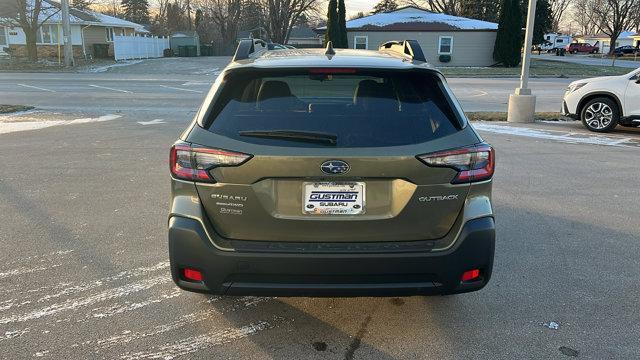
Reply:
x=335 y=167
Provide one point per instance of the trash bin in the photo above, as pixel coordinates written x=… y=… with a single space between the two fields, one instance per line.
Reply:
x=182 y=51
x=206 y=50
x=192 y=50
x=100 y=51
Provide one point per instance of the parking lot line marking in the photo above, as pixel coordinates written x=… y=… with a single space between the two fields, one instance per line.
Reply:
x=175 y=88
x=108 y=88
x=480 y=93
x=35 y=87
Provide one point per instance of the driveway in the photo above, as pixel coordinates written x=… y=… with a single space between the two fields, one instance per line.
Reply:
x=588 y=60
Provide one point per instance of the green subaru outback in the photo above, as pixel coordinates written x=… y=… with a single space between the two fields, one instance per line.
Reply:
x=331 y=173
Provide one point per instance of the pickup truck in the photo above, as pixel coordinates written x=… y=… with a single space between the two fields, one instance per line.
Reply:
x=581 y=48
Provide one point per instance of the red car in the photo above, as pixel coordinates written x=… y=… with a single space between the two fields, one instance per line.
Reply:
x=581 y=48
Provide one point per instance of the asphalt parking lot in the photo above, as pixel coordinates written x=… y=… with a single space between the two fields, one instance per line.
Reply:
x=84 y=264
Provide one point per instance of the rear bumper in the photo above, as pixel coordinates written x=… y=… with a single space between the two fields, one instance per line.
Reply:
x=294 y=273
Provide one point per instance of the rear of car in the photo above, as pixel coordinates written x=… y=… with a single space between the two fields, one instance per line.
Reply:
x=319 y=180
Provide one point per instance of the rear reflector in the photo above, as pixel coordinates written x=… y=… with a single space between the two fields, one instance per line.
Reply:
x=473 y=163
x=470 y=275
x=192 y=162
x=192 y=275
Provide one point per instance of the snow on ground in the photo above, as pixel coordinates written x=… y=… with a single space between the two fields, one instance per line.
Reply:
x=14 y=123
x=558 y=135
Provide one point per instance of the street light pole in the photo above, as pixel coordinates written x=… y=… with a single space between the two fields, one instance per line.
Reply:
x=66 y=34
x=522 y=104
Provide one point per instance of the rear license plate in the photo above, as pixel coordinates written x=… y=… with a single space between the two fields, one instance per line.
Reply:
x=333 y=198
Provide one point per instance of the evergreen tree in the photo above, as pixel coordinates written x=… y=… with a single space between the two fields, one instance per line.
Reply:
x=199 y=17
x=509 y=37
x=544 y=21
x=332 y=33
x=81 y=4
x=136 y=11
x=384 y=6
x=342 y=25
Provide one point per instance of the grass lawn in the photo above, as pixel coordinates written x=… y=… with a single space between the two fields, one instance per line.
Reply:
x=502 y=116
x=6 y=109
x=539 y=68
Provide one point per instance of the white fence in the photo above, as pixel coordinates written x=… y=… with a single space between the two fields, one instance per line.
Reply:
x=138 y=47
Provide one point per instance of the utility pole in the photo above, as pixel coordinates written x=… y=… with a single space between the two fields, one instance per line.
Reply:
x=522 y=105
x=66 y=34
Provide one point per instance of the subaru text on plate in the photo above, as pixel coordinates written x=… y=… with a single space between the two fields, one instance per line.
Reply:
x=331 y=173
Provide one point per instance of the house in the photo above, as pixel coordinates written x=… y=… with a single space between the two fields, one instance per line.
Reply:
x=604 y=40
x=636 y=39
x=446 y=40
x=304 y=37
x=87 y=28
x=300 y=36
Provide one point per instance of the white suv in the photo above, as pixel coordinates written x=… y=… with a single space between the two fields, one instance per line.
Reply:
x=604 y=102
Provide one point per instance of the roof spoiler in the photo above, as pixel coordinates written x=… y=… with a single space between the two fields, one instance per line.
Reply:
x=246 y=47
x=406 y=48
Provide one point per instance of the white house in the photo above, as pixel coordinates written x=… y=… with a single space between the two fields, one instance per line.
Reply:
x=446 y=40
x=87 y=28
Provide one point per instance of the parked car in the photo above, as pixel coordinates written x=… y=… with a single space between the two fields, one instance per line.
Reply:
x=627 y=49
x=604 y=102
x=334 y=173
x=575 y=48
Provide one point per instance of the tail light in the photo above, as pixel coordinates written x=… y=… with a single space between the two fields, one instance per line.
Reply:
x=474 y=163
x=193 y=162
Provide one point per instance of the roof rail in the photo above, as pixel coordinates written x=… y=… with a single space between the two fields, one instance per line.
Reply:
x=406 y=48
x=246 y=47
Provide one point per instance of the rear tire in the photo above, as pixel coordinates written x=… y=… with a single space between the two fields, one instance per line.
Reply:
x=600 y=114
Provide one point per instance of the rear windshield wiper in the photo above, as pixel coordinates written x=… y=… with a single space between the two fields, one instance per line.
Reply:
x=293 y=135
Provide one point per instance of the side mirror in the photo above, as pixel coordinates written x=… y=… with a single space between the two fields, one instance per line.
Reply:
x=638 y=80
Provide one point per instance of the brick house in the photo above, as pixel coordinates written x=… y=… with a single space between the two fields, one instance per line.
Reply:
x=87 y=28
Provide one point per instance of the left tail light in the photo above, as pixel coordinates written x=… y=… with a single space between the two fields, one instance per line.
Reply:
x=193 y=162
x=473 y=163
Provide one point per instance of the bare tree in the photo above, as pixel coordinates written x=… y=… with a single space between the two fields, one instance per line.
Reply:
x=612 y=17
x=225 y=15
x=282 y=15
x=558 y=9
x=451 y=7
x=29 y=15
x=584 y=17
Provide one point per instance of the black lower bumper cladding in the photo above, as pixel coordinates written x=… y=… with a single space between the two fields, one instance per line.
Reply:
x=395 y=273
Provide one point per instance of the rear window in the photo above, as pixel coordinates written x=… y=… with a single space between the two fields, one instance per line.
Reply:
x=357 y=108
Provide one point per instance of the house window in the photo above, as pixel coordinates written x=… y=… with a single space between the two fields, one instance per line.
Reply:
x=109 y=32
x=445 y=45
x=361 y=42
x=47 y=34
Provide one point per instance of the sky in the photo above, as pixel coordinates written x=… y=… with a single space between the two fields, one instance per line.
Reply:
x=353 y=6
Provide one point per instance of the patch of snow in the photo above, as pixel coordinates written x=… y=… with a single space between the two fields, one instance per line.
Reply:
x=552 y=325
x=15 y=126
x=197 y=343
x=562 y=136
